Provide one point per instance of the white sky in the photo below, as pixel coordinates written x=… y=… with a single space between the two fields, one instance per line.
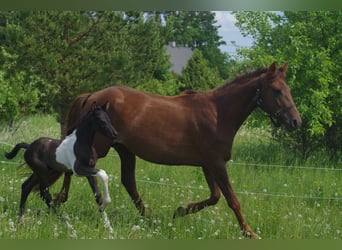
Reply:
x=229 y=32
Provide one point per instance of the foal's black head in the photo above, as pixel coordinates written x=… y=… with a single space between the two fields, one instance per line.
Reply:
x=100 y=120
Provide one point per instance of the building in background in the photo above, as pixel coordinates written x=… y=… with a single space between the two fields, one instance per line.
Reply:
x=179 y=56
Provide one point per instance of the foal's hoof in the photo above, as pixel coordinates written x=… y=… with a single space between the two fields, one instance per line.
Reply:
x=180 y=212
x=104 y=204
x=59 y=199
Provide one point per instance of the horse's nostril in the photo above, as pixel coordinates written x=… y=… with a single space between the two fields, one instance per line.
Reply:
x=294 y=123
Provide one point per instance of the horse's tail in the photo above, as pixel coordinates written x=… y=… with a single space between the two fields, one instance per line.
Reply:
x=74 y=113
x=15 y=150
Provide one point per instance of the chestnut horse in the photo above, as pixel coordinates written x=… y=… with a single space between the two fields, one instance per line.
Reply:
x=193 y=128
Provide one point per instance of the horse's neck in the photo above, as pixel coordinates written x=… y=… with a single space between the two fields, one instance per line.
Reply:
x=235 y=102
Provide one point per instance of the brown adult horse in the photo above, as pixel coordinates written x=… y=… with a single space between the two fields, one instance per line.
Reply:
x=189 y=129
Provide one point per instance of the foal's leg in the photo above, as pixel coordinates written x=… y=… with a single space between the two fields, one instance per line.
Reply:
x=84 y=170
x=62 y=196
x=221 y=177
x=45 y=194
x=128 y=177
x=26 y=188
x=104 y=177
x=197 y=206
x=41 y=170
x=93 y=184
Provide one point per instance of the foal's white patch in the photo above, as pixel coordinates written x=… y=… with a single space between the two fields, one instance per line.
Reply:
x=65 y=152
x=104 y=178
x=65 y=155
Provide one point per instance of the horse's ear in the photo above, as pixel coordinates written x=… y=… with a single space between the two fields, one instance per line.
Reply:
x=283 y=68
x=272 y=69
x=105 y=106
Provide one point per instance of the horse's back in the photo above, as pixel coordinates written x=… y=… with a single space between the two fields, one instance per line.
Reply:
x=158 y=128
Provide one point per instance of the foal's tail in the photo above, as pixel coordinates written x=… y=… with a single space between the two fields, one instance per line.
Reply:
x=16 y=149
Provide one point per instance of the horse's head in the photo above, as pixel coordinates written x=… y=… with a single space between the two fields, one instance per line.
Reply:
x=274 y=97
x=101 y=121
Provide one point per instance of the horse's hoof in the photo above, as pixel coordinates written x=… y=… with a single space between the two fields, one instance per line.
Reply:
x=251 y=235
x=180 y=212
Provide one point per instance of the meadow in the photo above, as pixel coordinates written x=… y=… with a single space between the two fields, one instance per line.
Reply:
x=282 y=196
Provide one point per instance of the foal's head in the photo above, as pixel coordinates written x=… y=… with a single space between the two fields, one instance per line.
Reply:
x=275 y=98
x=100 y=120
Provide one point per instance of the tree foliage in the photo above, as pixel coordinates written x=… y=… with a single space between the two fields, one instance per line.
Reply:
x=198 y=30
x=197 y=75
x=311 y=43
x=74 y=51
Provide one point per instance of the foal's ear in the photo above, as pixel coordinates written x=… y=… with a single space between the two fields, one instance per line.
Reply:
x=105 y=106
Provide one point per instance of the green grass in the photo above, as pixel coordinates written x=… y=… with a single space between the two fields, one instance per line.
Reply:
x=278 y=202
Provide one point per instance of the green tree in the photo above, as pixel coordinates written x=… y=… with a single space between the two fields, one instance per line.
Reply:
x=198 y=30
x=81 y=51
x=197 y=75
x=311 y=43
x=19 y=94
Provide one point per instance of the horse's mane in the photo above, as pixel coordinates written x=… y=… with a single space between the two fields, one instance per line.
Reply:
x=244 y=77
x=73 y=115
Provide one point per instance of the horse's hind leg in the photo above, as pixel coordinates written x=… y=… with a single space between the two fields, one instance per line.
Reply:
x=197 y=206
x=128 y=177
x=26 y=188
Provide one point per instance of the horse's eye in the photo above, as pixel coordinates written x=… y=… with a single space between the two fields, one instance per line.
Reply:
x=276 y=92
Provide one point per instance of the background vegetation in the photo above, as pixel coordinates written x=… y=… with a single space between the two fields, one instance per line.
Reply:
x=48 y=57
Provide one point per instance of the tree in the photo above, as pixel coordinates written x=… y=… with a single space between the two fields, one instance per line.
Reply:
x=198 y=30
x=18 y=94
x=81 y=51
x=197 y=75
x=311 y=43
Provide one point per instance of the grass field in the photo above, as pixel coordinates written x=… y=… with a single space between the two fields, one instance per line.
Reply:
x=281 y=196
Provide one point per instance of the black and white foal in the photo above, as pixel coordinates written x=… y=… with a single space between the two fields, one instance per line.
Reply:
x=49 y=158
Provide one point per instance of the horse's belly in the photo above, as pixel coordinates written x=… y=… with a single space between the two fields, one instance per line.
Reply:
x=164 y=153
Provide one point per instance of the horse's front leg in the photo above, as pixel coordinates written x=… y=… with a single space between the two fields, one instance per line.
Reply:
x=62 y=196
x=128 y=177
x=219 y=172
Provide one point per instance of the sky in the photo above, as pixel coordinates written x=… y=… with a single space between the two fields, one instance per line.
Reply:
x=229 y=32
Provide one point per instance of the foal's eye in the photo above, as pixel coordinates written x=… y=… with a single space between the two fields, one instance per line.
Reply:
x=276 y=92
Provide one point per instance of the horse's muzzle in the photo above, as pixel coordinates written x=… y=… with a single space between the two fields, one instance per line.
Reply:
x=293 y=123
